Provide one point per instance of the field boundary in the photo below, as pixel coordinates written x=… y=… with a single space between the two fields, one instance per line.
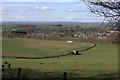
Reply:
x=70 y=53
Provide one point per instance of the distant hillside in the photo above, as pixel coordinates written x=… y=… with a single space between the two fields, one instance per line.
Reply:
x=51 y=23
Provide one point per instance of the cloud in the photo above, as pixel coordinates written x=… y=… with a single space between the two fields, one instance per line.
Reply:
x=41 y=8
x=15 y=17
x=78 y=10
x=4 y=9
x=68 y=20
x=3 y=14
x=72 y=17
x=42 y=18
x=91 y=16
x=44 y=8
x=22 y=10
x=12 y=4
x=40 y=0
x=37 y=8
x=70 y=10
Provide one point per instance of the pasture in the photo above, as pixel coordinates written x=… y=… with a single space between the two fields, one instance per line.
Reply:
x=98 y=62
x=38 y=48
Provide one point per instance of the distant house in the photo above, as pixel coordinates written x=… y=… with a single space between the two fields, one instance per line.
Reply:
x=108 y=34
x=69 y=41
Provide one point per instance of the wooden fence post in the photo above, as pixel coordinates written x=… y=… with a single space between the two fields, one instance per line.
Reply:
x=64 y=75
x=19 y=70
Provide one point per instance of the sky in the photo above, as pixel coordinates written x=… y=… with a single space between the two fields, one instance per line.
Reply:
x=42 y=0
x=68 y=10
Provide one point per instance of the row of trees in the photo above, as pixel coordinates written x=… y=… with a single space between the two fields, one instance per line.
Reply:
x=58 y=33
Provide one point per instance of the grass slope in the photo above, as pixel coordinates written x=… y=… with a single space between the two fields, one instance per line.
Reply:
x=100 y=62
x=38 y=48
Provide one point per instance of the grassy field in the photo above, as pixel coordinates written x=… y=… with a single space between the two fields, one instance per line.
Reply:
x=98 y=62
x=41 y=48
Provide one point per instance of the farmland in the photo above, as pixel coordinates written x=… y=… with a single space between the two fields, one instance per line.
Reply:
x=100 y=61
x=60 y=40
x=41 y=48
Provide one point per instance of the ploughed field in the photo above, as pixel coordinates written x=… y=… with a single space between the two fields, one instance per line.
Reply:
x=98 y=62
x=38 y=48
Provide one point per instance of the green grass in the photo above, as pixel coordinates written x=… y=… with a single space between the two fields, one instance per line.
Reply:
x=50 y=27
x=38 y=48
x=13 y=46
x=100 y=61
x=8 y=26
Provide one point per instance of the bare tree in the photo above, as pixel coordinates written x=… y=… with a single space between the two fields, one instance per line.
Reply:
x=110 y=11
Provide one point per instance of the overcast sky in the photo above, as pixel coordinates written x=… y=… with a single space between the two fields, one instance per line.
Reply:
x=47 y=11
